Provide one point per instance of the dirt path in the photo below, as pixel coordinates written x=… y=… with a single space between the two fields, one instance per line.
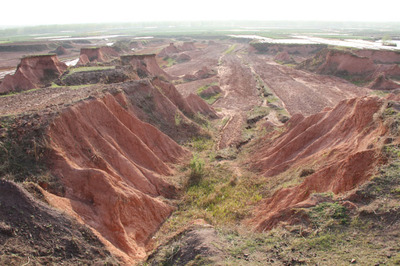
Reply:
x=300 y=91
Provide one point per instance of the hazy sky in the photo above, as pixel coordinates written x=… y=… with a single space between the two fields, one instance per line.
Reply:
x=32 y=12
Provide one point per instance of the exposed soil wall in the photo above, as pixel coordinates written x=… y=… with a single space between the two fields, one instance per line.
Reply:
x=112 y=166
x=144 y=65
x=343 y=145
x=33 y=72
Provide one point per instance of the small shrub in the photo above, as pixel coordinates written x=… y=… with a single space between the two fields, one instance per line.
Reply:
x=196 y=170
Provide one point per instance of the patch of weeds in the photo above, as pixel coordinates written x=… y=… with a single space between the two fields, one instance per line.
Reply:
x=196 y=166
x=230 y=49
x=170 y=61
x=257 y=113
x=328 y=214
x=178 y=119
x=201 y=143
x=210 y=99
x=86 y=69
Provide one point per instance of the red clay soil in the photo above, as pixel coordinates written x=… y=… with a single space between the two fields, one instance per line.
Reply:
x=383 y=83
x=173 y=95
x=112 y=166
x=183 y=58
x=145 y=65
x=342 y=145
x=187 y=46
x=33 y=72
x=150 y=104
x=168 y=51
x=300 y=91
x=83 y=60
x=389 y=70
x=284 y=57
x=380 y=56
x=337 y=62
x=98 y=54
x=198 y=105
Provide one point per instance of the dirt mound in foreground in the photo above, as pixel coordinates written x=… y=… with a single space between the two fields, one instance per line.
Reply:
x=342 y=146
x=31 y=232
x=33 y=72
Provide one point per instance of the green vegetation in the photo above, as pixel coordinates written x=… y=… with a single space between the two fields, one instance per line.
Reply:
x=170 y=61
x=14 y=93
x=211 y=98
x=75 y=87
x=230 y=49
x=90 y=68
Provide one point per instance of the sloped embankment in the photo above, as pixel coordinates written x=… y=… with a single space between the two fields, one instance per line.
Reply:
x=106 y=158
x=112 y=166
x=33 y=233
x=357 y=66
x=337 y=150
x=33 y=72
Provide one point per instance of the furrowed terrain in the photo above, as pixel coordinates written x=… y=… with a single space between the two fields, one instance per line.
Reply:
x=201 y=152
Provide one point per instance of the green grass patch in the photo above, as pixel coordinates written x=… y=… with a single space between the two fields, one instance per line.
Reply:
x=15 y=93
x=89 y=68
x=170 y=61
x=75 y=87
x=230 y=49
x=209 y=99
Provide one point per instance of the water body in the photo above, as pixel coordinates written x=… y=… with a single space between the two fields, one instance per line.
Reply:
x=302 y=39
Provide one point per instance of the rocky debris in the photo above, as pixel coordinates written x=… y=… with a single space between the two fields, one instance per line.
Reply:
x=32 y=231
x=33 y=72
x=145 y=65
x=284 y=57
x=343 y=164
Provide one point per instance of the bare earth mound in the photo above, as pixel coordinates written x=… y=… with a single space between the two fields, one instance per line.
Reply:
x=343 y=146
x=33 y=72
x=33 y=233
